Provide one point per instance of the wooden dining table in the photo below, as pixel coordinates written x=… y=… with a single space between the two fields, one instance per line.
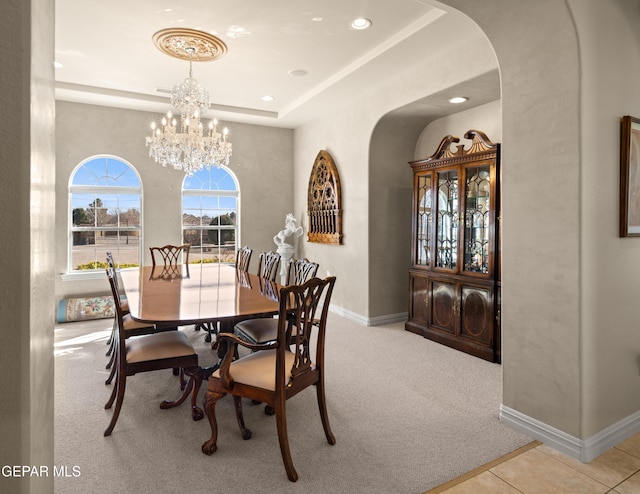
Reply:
x=197 y=294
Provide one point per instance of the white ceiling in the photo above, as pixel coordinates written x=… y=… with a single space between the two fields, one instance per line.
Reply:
x=109 y=58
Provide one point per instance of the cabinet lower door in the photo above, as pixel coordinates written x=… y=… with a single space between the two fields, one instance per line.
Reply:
x=418 y=303
x=444 y=311
x=476 y=315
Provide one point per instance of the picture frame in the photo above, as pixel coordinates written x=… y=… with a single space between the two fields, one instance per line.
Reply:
x=629 y=176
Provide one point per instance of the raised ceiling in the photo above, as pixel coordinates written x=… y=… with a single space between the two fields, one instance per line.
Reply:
x=108 y=56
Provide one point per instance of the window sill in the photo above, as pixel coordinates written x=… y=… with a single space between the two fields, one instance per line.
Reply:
x=81 y=276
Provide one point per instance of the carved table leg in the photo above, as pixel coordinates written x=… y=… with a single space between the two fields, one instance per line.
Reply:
x=194 y=383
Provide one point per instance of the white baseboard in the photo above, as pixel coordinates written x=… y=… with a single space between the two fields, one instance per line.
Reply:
x=368 y=321
x=583 y=450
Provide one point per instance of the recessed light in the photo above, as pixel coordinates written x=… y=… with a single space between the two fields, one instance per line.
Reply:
x=237 y=32
x=267 y=98
x=317 y=19
x=458 y=99
x=360 y=23
x=297 y=72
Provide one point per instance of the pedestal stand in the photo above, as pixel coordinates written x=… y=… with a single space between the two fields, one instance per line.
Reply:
x=286 y=252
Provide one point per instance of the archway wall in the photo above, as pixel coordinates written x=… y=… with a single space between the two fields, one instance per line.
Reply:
x=569 y=71
x=536 y=47
x=346 y=131
x=609 y=43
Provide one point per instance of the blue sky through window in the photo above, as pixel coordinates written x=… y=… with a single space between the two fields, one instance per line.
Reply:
x=106 y=171
x=209 y=203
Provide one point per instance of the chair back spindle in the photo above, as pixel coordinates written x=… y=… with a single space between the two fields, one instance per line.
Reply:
x=301 y=271
x=243 y=258
x=268 y=265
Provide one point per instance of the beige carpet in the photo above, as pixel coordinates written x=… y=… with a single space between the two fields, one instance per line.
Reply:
x=408 y=415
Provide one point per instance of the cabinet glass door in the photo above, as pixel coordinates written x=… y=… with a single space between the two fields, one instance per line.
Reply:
x=424 y=219
x=476 y=219
x=447 y=220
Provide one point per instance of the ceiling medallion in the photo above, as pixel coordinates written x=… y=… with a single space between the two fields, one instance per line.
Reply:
x=174 y=41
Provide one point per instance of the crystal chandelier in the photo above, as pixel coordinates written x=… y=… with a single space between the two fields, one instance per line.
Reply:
x=187 y=145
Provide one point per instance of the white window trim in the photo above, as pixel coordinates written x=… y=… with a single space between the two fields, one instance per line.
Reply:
x=91 y=274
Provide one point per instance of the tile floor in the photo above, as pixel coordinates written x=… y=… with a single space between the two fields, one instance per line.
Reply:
x=538 y=469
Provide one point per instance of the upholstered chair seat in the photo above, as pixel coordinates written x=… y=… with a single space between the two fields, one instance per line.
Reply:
x=259 y=369
x=260 y=330
x=131 y=325
x=158 y=346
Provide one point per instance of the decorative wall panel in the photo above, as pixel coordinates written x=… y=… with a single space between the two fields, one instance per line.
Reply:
x=324 y=202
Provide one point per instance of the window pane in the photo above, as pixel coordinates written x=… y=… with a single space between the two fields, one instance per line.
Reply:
x=209 y=202
x=122 y=174
x=227 y=183
x=193 y=237
x=90 y=248
x=129 y=217
x=211 y=179
x=191 y=217
x=91 y=172
x=229 y=203
x=80 y=214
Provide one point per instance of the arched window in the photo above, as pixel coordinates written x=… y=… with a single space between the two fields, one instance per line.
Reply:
x=105 y=212
x=210 y=215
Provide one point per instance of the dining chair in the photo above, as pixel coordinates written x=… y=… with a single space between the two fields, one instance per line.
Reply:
x=165 y=350
x=268 y=265
x=277 y=371
x=243 y=258
x=170 y=254
x=264 y=329
x=131 y=327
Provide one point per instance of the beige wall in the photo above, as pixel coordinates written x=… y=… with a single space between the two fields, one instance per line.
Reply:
x=261 y=161
x=371 y=153
x=26 y=228
x=609 y=39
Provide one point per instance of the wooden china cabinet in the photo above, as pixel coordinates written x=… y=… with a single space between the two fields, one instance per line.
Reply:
x=454 y=280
